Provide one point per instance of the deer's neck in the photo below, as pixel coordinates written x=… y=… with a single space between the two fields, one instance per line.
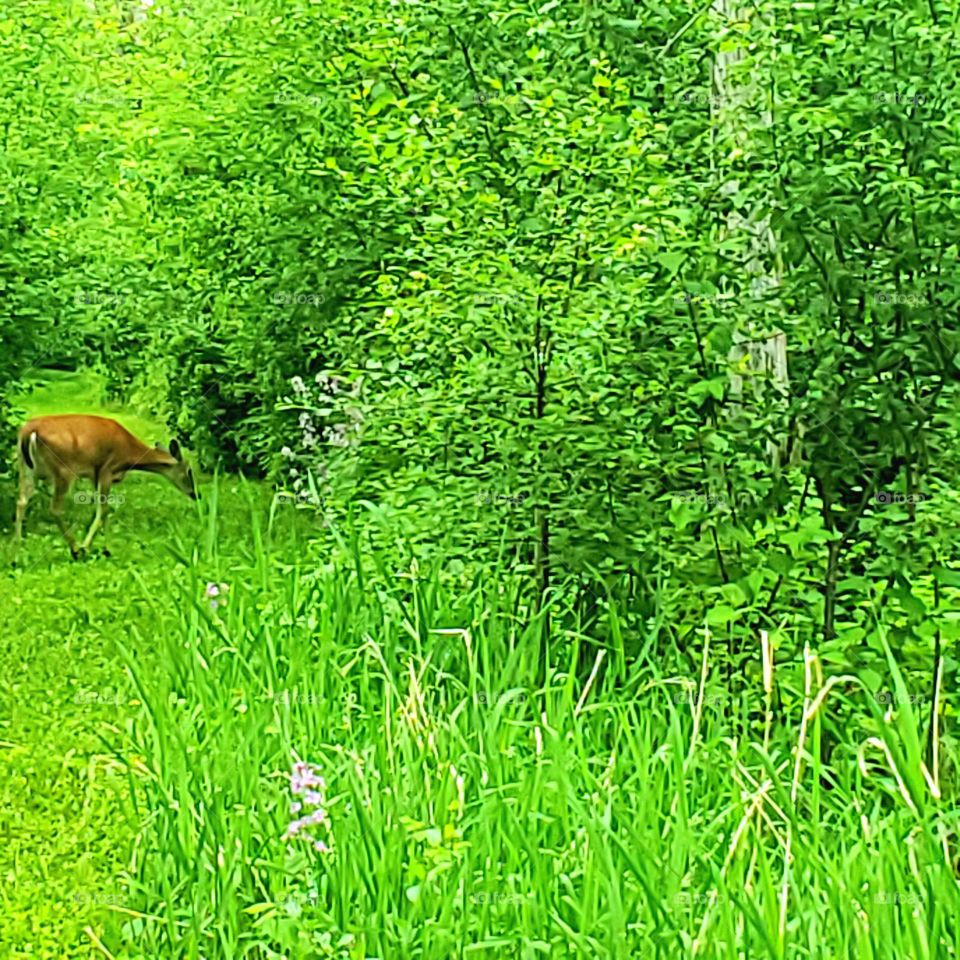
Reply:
x=150 y=460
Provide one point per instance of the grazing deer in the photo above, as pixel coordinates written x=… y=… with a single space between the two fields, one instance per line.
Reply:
x=62 y=449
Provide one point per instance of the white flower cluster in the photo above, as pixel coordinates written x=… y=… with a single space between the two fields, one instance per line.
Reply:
x=330 y=417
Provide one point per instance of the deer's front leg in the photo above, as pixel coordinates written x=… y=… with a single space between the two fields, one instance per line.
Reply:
x=100 y=517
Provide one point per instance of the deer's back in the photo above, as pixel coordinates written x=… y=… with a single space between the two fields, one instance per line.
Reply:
x=80 y=444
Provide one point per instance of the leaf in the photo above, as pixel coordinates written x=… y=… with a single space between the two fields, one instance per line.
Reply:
x=946 y=576
x=714 y=387
x=671 y=260
x=721 y=614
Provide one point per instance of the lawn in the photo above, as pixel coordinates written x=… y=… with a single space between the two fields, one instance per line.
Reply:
x=67 y=700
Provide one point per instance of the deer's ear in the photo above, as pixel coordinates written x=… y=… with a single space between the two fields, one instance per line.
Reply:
x=175 y=450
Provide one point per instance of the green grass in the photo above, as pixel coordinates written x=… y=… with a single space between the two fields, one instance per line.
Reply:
x=477 y=810
x=62 y=689
x=66 y=827
x=588 y=821
x=66 y=701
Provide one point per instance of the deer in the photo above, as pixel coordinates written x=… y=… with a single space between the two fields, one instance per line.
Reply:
x=64 y=448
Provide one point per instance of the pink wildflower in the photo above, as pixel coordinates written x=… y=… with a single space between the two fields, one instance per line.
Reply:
x=305 y=782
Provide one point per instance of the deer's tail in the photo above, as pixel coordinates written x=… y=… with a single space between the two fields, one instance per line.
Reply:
x=28 y=449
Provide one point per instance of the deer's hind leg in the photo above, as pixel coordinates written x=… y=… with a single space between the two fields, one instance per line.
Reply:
x=25 y=491
x=61 y=487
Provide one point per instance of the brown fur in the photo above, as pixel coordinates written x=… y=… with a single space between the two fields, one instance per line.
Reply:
x=65 y=448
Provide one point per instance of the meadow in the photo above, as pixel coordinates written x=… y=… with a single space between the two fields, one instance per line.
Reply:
x=478 y=801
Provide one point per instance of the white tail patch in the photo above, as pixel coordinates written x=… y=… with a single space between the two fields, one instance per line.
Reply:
x=32 y=449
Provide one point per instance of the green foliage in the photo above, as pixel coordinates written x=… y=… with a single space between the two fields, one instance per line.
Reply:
x=539 y=252
x=469 y=801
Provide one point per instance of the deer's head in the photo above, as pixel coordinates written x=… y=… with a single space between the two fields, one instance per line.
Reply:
x=178 y=472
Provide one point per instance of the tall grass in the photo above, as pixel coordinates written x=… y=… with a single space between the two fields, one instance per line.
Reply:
x=629 y=809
